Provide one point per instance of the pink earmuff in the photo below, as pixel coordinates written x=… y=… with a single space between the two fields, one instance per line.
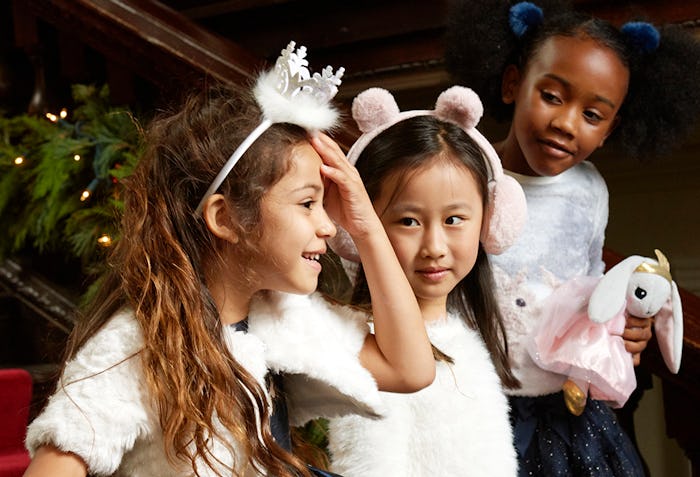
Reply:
x=375 y=110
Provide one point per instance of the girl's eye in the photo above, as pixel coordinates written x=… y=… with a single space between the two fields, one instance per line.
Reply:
x=408 y=222
x=453 y=220
x=308 y=204
x=593 y=117
x=550 y=97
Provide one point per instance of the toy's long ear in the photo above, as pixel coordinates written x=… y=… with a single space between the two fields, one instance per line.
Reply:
x=668 y=326
x=610 y=295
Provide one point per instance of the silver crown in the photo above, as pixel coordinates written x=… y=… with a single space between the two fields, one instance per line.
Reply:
x=295 y=79
x=288 y=93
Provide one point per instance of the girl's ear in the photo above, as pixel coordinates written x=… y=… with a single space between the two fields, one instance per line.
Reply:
x=510 y=84
x=220 y=218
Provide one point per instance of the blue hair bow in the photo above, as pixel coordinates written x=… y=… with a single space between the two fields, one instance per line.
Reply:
x=524 y=16
x=643 y=36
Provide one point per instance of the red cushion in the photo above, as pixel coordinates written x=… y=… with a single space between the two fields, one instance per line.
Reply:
x=14 y=464
x=15 y=398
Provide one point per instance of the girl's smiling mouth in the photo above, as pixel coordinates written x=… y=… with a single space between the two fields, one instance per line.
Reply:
x=433 y=273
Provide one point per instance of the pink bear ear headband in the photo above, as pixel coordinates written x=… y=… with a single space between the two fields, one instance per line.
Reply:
x=375 y=110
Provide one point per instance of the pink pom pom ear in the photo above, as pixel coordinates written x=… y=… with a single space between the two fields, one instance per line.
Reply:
x=372 y=108
x=459 y=105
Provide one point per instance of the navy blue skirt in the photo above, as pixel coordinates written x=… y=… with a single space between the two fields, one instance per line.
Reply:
x=553 y=442
x=322 y=473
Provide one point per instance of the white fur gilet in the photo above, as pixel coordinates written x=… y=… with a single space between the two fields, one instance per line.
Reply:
x=458 y=426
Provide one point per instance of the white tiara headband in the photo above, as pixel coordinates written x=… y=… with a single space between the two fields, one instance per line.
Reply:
x=288 y=93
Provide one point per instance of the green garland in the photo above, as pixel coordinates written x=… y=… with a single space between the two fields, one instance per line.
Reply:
x=59 y=177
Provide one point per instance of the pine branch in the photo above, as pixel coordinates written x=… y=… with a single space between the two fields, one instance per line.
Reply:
x=43 y=200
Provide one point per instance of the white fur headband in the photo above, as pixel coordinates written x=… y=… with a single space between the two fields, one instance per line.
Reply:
x=287 y=94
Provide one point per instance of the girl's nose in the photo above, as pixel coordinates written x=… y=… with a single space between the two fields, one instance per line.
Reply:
x=326 y=228
x=434 y=244
x=565 y=120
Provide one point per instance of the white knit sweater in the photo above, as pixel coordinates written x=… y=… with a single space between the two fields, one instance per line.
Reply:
x=562 y=238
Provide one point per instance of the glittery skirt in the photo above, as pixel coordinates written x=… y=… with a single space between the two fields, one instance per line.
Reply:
x=553 y=442
x=322 y=473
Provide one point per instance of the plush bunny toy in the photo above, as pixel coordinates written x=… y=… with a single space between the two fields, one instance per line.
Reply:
x=580 y=331
x=649 y=286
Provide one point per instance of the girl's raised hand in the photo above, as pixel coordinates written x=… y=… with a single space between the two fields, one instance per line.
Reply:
x=345 y=198
x=398 y=323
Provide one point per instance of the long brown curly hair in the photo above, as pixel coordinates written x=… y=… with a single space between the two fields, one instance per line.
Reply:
x=157 y=269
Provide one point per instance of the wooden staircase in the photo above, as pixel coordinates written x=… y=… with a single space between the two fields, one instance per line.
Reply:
x=35 y=320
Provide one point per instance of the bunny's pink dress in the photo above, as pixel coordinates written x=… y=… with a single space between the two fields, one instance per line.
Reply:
x=567 y=342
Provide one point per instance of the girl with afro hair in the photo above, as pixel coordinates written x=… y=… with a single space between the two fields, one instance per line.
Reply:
x=567 y=82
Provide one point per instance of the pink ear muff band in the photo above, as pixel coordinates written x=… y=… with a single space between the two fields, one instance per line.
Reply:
x=375 y=110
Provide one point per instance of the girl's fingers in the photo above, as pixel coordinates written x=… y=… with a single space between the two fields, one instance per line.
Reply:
x=329 y=150
x=333 y=178
x=345 y=199
x=330 y=172
x=335 y=165
x=633 y=321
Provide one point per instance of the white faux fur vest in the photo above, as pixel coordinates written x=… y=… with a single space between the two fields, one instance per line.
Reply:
x=103 y=415
x=458 y=426
x=316 y=344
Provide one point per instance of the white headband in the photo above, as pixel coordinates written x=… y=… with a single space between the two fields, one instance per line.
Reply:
x=287 y=94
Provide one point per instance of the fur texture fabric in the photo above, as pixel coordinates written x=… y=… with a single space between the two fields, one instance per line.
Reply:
x=306 y=111
x=456 y=426
x=101 y=411
x=315 y=344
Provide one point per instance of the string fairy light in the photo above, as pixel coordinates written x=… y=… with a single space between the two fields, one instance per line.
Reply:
x=105 y=240
x=63 y=114
x=79 y=148
x=89 y=190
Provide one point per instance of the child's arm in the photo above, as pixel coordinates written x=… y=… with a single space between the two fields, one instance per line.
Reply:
x=50 y=461
x=399 y=354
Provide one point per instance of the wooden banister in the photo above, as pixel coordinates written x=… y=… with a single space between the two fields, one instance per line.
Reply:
x=148 y=38
x=38 y=294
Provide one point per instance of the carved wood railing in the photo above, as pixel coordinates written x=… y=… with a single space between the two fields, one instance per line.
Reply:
x=47 y=316
x=681 y=392
x=147 y=38
x=140 y=35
